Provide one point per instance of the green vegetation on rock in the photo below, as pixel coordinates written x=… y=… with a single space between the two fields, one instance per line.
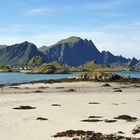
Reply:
x=98 y=76
x=4 y=68
x=36 y=61
x=70 y=40
x=51 y=68
x=91 y=66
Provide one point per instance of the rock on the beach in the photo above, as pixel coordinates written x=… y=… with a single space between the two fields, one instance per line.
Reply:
x=96 y=103
x=41 y=119
x=70 y=90
x=106 y=85
x=55 y=105
x=109 y=121
x=24 y=107
x=118 y=90
x=126 y=117
x=120 y=132
x=94 y=117
x=91 y=120
x=136 y=129
x=90 y=135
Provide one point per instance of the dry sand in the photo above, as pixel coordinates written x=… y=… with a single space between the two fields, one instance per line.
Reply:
x=22 y=124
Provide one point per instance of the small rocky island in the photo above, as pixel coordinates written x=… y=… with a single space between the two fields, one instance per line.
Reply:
x=98 y=76
x=51 y=68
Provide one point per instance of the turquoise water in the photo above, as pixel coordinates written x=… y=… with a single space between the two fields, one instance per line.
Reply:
x=18 y=77
x=129 y=73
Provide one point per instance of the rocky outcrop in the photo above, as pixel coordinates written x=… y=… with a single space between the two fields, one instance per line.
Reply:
x=136 y=130
x=52 y=68
x=97 y=76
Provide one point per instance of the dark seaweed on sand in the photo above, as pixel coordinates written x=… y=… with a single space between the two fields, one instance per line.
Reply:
x=126 y=117
x=96 y=103
x=91 y=135
x=41 y=119
x=92 y=120
x=24 y=107
x=55 y=105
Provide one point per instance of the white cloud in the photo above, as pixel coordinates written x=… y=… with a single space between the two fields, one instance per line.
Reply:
x=97 y=7
x=39 y=11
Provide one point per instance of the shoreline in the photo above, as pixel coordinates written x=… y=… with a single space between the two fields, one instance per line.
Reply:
x=121 y=80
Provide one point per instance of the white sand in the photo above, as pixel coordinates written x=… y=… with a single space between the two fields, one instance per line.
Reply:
x=22 y=124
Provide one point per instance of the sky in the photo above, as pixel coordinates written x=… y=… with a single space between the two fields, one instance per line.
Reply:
x=112 y=25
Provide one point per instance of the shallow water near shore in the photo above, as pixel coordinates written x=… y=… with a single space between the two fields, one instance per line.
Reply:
x=132 y=74
x=20 y=77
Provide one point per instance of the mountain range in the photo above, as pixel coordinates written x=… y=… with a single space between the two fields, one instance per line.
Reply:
x=73 y=51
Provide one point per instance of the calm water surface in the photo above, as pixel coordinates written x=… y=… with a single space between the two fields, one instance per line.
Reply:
x=133 y=74
x=18 y=77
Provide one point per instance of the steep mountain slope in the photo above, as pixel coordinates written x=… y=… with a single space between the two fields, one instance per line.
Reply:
x=110 y=59
x=133 y=62
x=72 y=51
x=75 y=51
x=19 y=53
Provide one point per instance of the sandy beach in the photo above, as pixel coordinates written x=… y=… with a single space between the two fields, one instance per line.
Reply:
x=65 y=105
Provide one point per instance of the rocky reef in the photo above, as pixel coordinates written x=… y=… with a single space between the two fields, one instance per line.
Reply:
x=98 y=76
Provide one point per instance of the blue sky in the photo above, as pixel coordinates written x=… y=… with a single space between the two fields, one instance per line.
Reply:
x=112 y=25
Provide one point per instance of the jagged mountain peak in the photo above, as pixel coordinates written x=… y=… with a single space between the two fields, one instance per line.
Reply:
x=25 y=43
x=76 y=51
x=19 y=54
x=134 y=59
x=72 y=51
x=71 y=39
x=133 y=62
